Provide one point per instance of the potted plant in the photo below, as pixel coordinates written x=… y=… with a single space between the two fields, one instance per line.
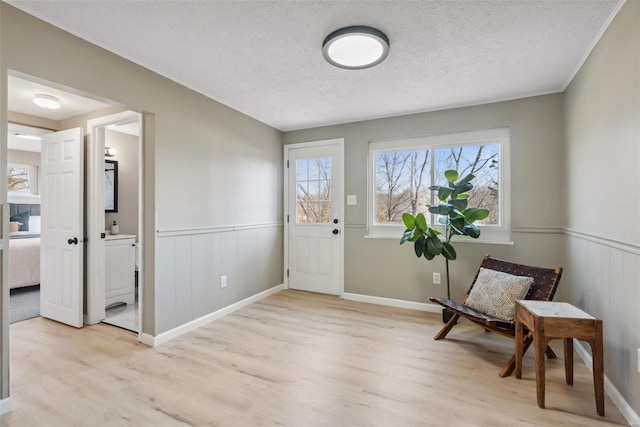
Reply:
x=456 y=217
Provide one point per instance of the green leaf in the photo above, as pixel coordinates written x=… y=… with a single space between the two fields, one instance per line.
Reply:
x=428 y=256
x=460 y=204
x=457 y=225
x=418 y=246
x=434 y=245
x=466 y=179
x=444 y=193
x=472 y=231
x=459 y=189
x=441 y=209
x=409 y=220
x=475 y=214
x=448 y=251
x=451 y=175
x=462 y=196
x=421 y=222
x=408 y=234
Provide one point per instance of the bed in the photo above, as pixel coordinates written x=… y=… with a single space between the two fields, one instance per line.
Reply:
x=24 y=247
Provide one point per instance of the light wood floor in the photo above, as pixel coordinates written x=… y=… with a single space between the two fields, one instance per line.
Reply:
x=293 y=359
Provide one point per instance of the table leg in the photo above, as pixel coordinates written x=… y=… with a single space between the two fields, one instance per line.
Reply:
x=598 y=368
x=568 y=360
x=539 y=345
x=519 y=348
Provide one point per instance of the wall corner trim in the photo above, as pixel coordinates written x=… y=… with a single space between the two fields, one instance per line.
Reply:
x=196 y=323
x=6 y=405
x=411 y=305
x=623 y=406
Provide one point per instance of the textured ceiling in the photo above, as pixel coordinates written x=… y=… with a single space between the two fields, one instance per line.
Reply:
x=264 y=58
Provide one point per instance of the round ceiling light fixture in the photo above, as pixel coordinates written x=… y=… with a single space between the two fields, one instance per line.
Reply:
x=355 y=47
x=49 y=102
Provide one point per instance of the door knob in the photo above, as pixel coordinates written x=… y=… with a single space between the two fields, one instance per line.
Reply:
x=73 y=241
x=336 y=231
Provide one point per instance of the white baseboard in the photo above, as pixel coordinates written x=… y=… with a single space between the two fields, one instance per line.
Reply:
x=6 y=405
x=196 y=323
x=623 y=406
x=412 y=305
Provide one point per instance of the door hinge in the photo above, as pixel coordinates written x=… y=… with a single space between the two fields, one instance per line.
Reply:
x=287 y=218
x=287 y=164
x=287 y=272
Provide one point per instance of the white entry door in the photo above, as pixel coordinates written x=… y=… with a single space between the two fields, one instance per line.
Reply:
x=61 y=235
x=315 y=214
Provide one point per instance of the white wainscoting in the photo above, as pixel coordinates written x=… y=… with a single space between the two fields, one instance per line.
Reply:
x=602 y=276
x=191 y=262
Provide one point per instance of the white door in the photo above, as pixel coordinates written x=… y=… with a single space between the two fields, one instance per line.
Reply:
x=315 y=216
x=61 y=234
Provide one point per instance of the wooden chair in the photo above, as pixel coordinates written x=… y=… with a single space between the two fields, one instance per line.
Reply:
x=545 y=283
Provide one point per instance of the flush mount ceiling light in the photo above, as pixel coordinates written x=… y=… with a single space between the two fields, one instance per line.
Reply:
x=49 y=102
x=29 y=137
x=356 y=47
x=110 y=151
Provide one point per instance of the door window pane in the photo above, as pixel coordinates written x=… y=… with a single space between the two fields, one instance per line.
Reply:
x=313 y=190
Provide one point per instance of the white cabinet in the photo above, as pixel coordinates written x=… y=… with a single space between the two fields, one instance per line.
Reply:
x=120 y=259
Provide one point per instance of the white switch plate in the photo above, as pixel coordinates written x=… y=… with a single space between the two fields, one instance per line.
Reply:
x=223 y=281
x=352 y=200
x=436 y=278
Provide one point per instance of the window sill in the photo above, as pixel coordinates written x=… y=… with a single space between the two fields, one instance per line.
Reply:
x=472 y=241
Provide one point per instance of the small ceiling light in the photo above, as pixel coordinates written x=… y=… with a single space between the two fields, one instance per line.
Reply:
x=356 y=47
x=110 y=151
x=47 y=101
x=29 y=137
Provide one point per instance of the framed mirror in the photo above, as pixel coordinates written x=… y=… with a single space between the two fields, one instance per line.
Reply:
x=111 y=186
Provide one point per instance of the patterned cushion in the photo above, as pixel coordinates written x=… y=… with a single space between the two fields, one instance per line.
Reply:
x=495 y=293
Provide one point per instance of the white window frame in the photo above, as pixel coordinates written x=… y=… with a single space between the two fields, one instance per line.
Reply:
x=499 y=234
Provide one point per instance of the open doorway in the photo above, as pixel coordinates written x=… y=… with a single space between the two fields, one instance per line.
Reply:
x=27 y=120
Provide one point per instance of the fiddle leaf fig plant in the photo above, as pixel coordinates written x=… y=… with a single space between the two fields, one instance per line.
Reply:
x=453 y=213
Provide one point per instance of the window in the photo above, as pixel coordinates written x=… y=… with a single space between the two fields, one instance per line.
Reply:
x=22 y=179
x=402 y=171
x=313 y=184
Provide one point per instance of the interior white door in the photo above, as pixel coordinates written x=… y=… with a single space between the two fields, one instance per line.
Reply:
x=315 y=215
x=61 y=235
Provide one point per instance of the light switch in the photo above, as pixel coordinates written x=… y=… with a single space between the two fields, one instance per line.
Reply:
x=352 y=200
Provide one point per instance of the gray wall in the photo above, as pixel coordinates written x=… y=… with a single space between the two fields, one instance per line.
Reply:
x=381 y=267
x=127 y=158
x=602 y=164
x=206 y=167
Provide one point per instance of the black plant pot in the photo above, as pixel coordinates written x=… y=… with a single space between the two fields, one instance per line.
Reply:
x=446 y=315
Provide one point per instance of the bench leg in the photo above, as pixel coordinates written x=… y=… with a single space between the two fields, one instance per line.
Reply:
x=445 y=330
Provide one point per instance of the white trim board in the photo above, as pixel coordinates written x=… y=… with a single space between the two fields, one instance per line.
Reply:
x=6 y=405
x=196 y=323
x=623 y=406
x=411 y=305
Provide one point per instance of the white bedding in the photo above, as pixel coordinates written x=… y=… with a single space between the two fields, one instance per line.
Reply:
x=24 y=262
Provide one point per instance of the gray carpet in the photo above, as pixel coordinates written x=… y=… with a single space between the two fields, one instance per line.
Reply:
x=24 y=303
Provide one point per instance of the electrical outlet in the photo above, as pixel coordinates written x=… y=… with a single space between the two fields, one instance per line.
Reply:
x=436 y=278
x=223 y=281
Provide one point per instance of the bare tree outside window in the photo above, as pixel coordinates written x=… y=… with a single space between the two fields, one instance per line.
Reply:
x=403 y=177
x=402 y=181
x=480 y=160
x=313 y=183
